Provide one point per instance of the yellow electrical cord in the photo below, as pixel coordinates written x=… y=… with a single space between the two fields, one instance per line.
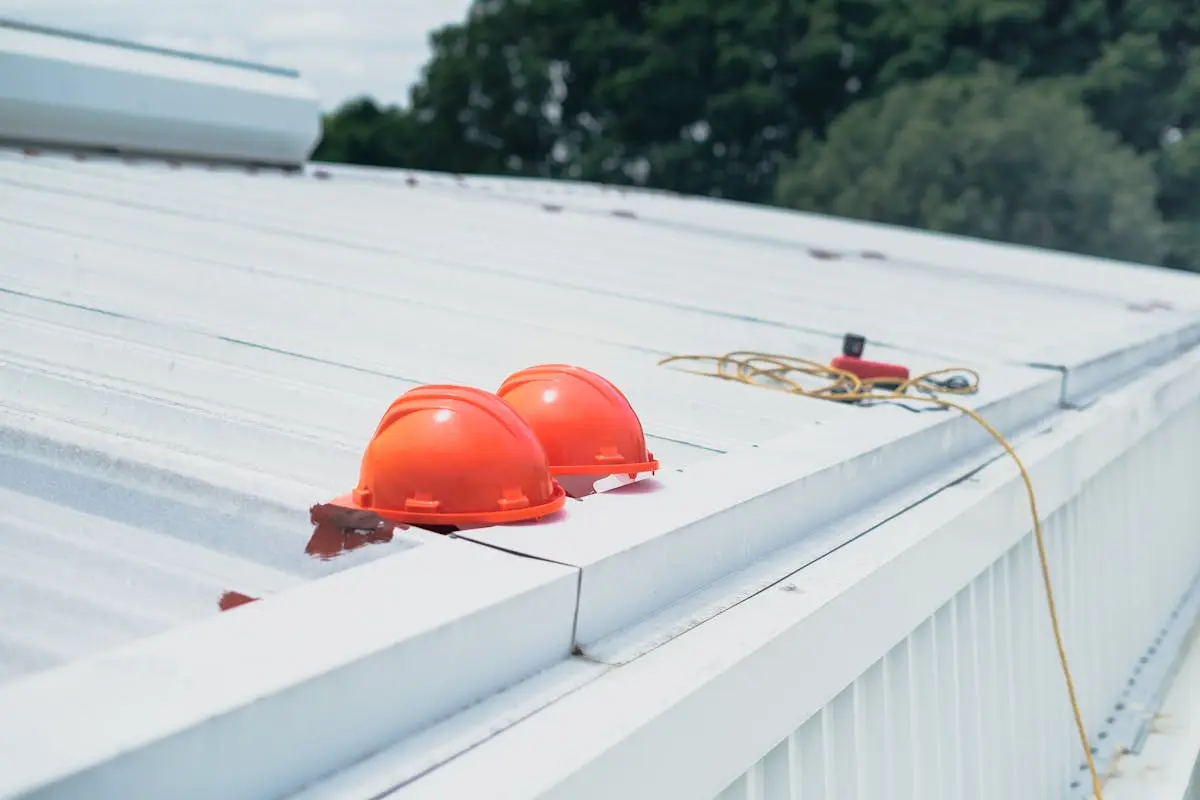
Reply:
x=772 y=371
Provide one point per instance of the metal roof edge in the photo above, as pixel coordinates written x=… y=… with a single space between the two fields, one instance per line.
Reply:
x=240 y=673
x=766 y=634
x=775 y=495
x=46 y=30
x=153 y=714
x=401 y=769
x=772 y=495
x=1086 y=381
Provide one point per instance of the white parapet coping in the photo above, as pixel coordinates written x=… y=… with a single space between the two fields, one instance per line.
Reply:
x=773 y=494
x=689 y=716
x=265 y=698
x=65 y=90
x=284 y=692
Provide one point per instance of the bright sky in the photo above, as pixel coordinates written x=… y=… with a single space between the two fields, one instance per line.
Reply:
x=343 y=47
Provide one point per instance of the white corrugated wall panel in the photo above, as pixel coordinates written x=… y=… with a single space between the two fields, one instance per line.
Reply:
x=973 y=704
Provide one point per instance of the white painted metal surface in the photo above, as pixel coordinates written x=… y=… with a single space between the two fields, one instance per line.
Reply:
x=915 y=662
x=950 y=258
x=323 y=673
x=1165 y=766
x=60 y=89
x=218 y=346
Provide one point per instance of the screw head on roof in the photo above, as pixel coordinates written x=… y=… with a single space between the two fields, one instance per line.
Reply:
x=824 y=255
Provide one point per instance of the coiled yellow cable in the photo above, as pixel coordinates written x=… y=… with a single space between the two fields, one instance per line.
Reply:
x=780 y=372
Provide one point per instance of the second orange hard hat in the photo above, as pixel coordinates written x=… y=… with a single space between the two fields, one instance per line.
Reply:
x=584 y=422
x=454 y=455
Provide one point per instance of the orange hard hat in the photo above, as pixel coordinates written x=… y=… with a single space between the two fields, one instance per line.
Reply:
x=454 y=455
x=585 y=423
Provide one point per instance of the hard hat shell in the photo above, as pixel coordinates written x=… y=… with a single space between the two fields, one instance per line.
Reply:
x=454 y=455
x=584 y=422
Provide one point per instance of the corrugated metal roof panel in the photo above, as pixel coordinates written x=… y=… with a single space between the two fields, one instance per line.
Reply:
x=188 y=358
x=74 y=582
x=949 y=257
x=96 y=550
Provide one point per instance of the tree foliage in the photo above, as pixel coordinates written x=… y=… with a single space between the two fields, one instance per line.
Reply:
x=975 y=156
x=713 y=96
x=361 y=132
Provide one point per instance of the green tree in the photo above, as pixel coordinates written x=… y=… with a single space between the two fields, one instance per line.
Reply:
x=712 y=96
x=690 y=95
x=1179 y=198
x=707 y=95
x=361 y=132
x=984 y=155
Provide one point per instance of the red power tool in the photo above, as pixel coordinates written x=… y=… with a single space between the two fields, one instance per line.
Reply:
x=851 y=361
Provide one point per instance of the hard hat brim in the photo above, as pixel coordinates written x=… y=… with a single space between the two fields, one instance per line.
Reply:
x=605 y=469
x=556 y=502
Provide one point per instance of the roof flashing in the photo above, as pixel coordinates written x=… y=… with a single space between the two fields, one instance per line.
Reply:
x=103 y=95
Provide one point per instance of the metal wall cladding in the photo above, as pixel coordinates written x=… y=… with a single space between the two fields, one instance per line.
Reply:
x=973 y=703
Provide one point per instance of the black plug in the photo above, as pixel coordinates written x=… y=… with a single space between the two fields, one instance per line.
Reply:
x=853 y=345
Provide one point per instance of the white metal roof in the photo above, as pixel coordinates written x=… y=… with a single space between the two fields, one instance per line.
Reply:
x=189 y=358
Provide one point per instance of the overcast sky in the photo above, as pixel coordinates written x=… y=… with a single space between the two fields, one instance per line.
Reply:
x=343 y=47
